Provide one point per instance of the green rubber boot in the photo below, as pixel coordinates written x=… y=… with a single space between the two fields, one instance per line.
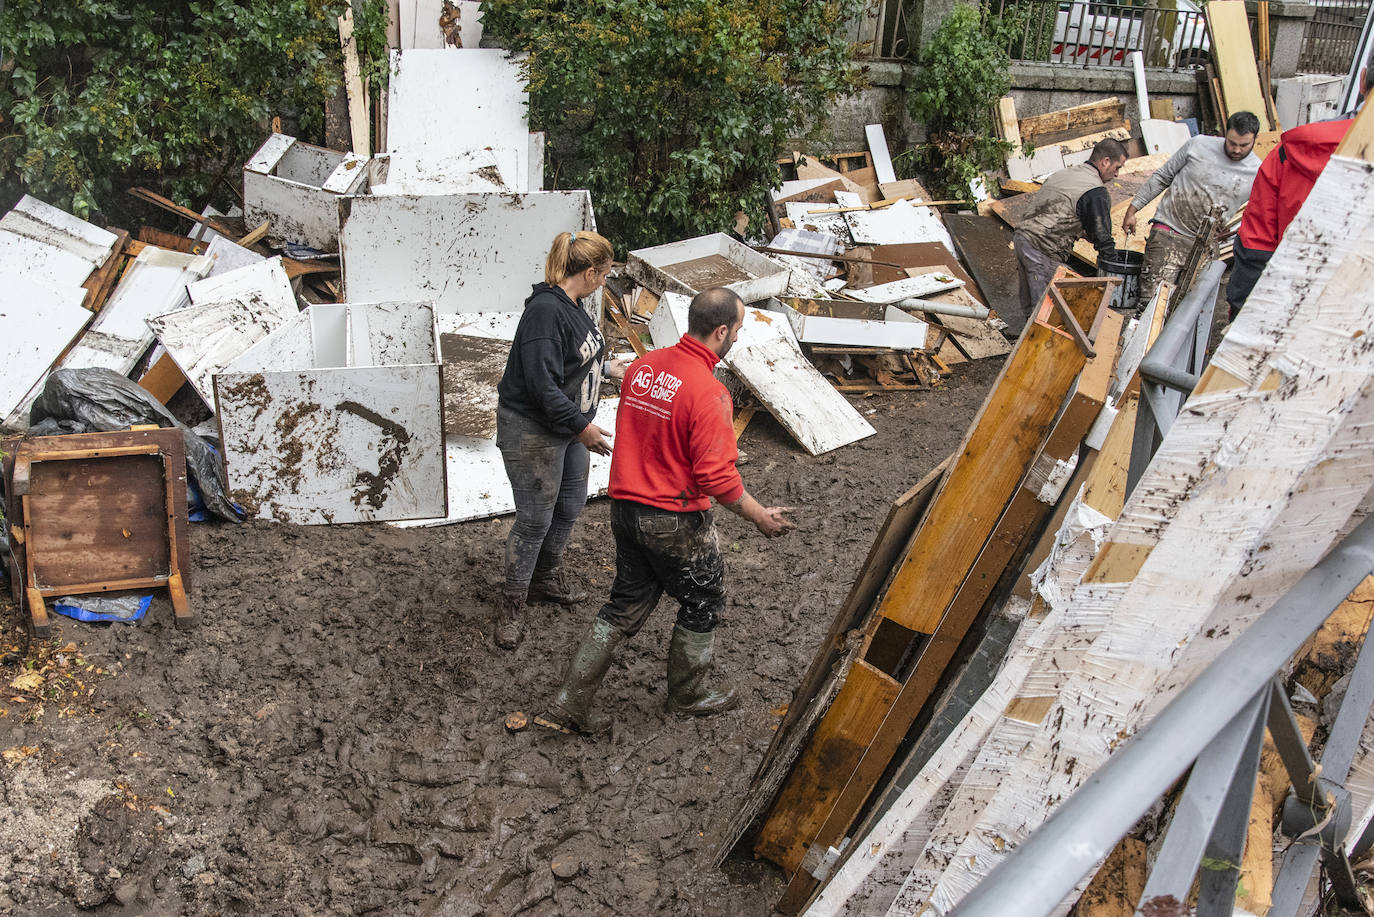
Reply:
x=572 y=705
x=689 y=666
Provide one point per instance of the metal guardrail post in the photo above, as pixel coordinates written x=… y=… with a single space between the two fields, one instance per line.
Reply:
x=1046 y=866
x=1171 y=369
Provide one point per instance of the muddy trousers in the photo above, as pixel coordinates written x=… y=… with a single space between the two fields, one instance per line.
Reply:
x=1035 y=270
x=658 y=551
x=548 y=476
x=1165 y=254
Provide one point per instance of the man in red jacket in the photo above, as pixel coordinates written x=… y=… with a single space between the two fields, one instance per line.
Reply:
x=1281 y=186
x=674 y=451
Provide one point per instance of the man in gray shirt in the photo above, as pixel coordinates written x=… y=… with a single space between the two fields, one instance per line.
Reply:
x=1206 y=172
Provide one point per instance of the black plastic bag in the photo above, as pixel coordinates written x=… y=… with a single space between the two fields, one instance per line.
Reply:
x=103 y=401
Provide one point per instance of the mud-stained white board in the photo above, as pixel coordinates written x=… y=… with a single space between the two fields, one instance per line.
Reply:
x=899 y=223
x=205 y=338
x=500 y=325
x=770 y=362
x=441 y=105
x=477 y=484
x=463 y=252
x=351 y=444
x=36 y=323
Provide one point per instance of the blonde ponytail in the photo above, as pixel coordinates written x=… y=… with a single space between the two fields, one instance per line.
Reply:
x=574 y=252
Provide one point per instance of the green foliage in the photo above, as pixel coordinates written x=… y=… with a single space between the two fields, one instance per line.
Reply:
x=964 y=70
x=97 y=96
x=673 y=112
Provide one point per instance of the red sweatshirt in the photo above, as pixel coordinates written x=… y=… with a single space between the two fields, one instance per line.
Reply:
x=1284 y=180
x=674 y=438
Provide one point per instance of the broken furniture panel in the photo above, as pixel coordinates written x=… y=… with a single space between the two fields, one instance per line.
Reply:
x=717 y=260
x=441 y=105
x=45 y=256
x=901 y=221
x=813 y=217
x=479 y=488
x=231 y=312
x=984 y=245
x=463 y=252
x=97 y=512
x=296 y=188
x=328 y=440
x=914 y=287
x=119 y=336
x=474 y=172
x=854 y=324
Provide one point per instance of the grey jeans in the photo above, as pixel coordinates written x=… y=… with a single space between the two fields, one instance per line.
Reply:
x=548 y=476
x=1036 y=270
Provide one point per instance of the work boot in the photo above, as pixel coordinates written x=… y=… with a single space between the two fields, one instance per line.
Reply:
x=572 y=705
x=555 y=587
x=689 y=666
x=510 y=621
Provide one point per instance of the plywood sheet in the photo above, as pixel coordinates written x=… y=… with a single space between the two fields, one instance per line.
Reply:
x=463 y=252
x=768 y=360
x=984 y=246
x=1233 y=54
x=316 y=446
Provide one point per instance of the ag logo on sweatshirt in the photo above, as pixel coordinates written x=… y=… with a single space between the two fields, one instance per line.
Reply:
x=643 y=381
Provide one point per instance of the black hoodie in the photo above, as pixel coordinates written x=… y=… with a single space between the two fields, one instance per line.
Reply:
x=553 y=374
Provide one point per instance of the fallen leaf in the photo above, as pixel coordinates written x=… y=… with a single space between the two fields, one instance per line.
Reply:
x=69 y=648
x=126 y=533
x=18 y=753
x=29 y=681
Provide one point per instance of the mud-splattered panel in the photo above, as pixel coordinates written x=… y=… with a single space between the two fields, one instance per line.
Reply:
x=357 y=444
x=770 y=362
x=472 y=368
x=463 y=252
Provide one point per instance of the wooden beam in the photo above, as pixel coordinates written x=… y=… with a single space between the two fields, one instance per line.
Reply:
x=102 y=281
x=1235 y=60
x=359 y=123
x=1092 y=116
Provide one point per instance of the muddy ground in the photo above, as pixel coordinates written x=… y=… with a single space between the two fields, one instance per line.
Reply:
x=330 y=738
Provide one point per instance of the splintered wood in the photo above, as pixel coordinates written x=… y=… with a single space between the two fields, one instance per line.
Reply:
x=1277 y=435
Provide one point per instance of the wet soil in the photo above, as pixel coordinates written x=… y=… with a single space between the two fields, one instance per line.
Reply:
x=330 y=739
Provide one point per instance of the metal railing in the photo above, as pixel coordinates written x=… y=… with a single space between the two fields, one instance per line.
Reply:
x=1091 y=34
x=880 y=31
x=1331 y=36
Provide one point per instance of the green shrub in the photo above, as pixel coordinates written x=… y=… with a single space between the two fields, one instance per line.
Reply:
x=964 y=70
x=673 y=112
x=97 y=96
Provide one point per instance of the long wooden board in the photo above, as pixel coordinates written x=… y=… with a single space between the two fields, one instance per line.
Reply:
x=1234 y=57
x=991 y=463
x=1080 y=119
x=1033 y=500
x=824 y=678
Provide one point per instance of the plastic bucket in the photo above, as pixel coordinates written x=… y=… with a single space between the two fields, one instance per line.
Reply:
x=1125 y=267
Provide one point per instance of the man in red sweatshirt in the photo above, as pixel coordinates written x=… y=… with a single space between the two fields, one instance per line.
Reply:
x=674 y=451
x=1281 y=186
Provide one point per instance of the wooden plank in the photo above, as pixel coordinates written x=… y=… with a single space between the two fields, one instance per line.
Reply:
x=1007 y=127
x=856 y=712
x=359 y=123
x=1032 y=501
x=170 y=240
x=1233 y=54
x=996 y=452
x=828 y=666
x=1358 y=142
x=103 y=278
x=1080 y=119
x=163 y=379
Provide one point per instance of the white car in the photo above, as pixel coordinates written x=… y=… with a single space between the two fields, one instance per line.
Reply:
x=1103 y=34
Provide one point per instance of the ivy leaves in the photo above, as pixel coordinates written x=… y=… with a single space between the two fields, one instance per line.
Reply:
x=103 y=95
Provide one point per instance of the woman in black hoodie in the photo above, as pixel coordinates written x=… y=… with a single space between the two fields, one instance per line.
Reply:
x=546 y=403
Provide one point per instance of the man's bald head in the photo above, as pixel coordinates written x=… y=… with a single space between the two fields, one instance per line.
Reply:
x=712 y=308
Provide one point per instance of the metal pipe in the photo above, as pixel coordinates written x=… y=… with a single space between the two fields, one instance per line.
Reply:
x=1159 y=364
x=962 y=310
x=1047 y=866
